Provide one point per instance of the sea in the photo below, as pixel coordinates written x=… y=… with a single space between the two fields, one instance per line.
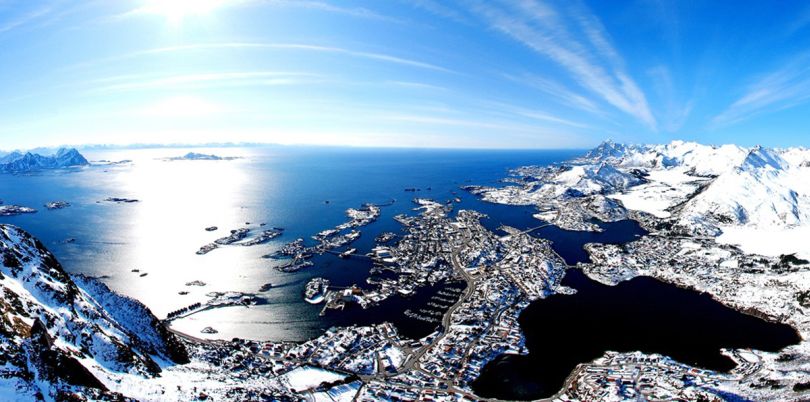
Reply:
x=303 y=190
x=147 y=250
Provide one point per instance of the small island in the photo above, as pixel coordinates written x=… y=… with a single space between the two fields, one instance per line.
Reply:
x=119 y=200
x=194 y=156
x=57 y=205
x=13 y=210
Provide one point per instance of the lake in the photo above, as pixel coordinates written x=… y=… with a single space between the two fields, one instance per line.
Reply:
x=642 y=314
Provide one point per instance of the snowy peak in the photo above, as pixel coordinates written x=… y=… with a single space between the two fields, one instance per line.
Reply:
x=703 y=160
x=66 y=157
x=10 y=157
x=607 y=150
x=17 y=162
x=613 y=178
x=763 y=158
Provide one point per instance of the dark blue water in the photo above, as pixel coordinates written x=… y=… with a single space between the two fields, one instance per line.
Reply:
x=567 y=243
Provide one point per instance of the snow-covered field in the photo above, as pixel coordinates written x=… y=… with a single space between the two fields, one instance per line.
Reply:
x=307 y=377
x=772 y=242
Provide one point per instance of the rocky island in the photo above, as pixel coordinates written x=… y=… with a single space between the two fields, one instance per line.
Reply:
x=13 y=210
x=195 y=156
x=57 y=205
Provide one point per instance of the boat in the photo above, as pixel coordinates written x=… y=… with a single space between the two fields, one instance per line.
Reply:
x=406 y=290
x=315 y=290
x=348 y=253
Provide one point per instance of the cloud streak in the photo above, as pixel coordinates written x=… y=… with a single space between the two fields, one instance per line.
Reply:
x=781 y=89
x=22 y=20
x=382 y=57
x=591 y=61
x=359 y=12
x=204 y=80
x=559 y=92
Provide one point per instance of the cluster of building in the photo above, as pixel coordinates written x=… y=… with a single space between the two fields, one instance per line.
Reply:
x=638 y=376
x=475 y=324
x=503 y=273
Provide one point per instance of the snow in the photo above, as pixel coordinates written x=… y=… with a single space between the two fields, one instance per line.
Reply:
x=666 y=188
x=764 y=192
x=307 y=377
x=394 y=355
x=770 y=242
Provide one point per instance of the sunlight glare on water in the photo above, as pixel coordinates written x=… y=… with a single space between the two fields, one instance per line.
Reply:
x=177 y=201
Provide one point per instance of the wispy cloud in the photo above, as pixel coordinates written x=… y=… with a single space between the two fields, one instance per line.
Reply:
x=278 y=46
x=558 y=91
x=591 y=61
x=673 y=111
x=449 y=121
x=415 y=85
x=206 y=80
x=439 y=8
x=182 y=106
x=784 y=88
x=801 y=22
x=527 y=112
x=359 y=12
x=542 y=116
x=25 y=19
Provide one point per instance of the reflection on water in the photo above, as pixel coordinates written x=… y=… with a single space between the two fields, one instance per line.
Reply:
x=279 y=186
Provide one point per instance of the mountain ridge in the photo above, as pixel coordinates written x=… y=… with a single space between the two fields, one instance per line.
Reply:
x=702 y=190
x=18 y=162
x=55 y=334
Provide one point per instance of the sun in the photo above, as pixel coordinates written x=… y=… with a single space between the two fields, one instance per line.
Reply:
x=175 y=11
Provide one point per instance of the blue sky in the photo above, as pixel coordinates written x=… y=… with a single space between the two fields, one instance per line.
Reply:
x=466 y=73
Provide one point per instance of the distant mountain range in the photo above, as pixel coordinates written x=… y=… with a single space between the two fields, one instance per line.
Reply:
x=761 y=187
x=18 y=162
x=700 y=189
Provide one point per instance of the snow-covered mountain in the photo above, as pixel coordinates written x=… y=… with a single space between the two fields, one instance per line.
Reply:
x=705 y=160
x=59 y=335
x=701 y=189
x=18 y=162
x=763 y=191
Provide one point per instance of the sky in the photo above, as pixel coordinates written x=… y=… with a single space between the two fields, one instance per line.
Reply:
x=404 y=73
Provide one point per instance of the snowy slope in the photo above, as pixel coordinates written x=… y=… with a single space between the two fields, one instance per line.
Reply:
x=764 y=191
x=704 y=187
x=54 y=334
